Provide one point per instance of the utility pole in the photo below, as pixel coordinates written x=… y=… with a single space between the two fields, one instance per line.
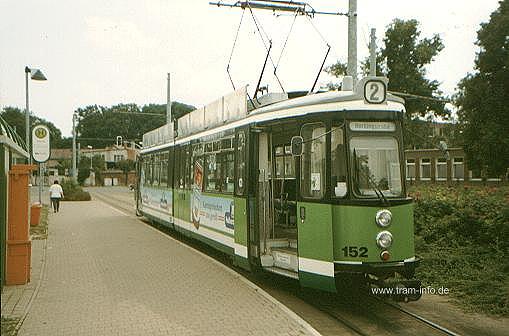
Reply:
x=168 y=102
x=73 y=173
x=352 y=40
x=372 y=53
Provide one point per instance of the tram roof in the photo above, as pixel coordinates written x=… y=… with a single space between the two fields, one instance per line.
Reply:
x=332 y=101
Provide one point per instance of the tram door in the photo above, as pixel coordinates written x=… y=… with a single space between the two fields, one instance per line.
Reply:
x=181 y=197
x=137 y=190
x=278 y=242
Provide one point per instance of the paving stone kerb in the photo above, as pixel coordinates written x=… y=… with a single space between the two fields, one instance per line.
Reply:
x=109 y=274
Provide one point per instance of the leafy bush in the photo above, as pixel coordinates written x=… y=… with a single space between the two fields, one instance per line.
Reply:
x=462 y=233
x=74 y=192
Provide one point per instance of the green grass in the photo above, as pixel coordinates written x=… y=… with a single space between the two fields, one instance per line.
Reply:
x=74 y=192
x=462 y=234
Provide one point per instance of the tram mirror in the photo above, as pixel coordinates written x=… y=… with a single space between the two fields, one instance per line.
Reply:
x=297 y=145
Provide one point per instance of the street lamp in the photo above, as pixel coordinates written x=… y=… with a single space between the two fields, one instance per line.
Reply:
x=35 y=74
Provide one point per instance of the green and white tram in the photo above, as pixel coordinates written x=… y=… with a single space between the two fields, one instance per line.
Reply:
x=309 y=187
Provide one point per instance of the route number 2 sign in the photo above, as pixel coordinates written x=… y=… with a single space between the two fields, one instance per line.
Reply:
x=375 y=92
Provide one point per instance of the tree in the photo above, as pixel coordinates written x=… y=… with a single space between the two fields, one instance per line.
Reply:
x=16 y=118
x=99 y=126
x=126 y=166
x=403 y=58
x=483 y=96
x=85 y=167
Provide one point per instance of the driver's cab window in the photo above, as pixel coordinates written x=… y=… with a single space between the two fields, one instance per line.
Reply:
x=313 y=161
x=338 y=163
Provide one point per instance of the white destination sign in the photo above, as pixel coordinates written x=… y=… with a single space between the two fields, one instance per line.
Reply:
x=372 y=126
x=40 y=143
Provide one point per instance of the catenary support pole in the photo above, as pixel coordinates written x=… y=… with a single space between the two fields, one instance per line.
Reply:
x=74 y=175
x=168 y=102
x=352 y=40
x=372 y=53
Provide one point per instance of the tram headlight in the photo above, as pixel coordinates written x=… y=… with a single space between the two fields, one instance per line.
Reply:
x=384 y=239
x=383 y=218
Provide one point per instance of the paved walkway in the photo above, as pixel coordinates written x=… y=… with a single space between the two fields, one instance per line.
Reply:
x=110 y=274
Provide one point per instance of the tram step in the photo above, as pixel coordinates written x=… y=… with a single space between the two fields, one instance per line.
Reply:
x=286 y=258
x=283 y=272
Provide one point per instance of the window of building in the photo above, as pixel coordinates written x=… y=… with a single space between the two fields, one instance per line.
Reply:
x=475 y=175
x=118 y=157
x=441 y=169
x=313 y=161
x=458 y=172
x=425 y=169
x=338 y=163
x=410 y=169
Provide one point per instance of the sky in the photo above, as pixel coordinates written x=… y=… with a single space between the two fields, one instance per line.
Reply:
x=120 y=51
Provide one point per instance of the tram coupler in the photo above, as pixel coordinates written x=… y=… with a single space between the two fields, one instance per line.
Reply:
x=398 y=290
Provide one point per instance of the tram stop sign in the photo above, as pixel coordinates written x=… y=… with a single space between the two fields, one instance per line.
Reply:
x=40 y=143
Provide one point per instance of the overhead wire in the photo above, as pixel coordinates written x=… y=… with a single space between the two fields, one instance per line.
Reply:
x=233 y=48
x=287 y=37
x=265 y=45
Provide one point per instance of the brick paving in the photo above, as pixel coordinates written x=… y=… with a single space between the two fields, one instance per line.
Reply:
x=110 y=274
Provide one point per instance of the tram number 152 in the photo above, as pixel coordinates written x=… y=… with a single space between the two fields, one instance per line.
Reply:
x=354 y=251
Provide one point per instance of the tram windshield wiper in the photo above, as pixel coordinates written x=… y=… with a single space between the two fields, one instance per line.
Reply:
x=371 y=183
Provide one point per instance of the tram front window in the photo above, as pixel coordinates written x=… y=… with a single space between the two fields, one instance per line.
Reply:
x=375 y=166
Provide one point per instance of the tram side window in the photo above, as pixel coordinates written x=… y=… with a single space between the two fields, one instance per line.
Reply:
x=197 y=167
x=338 y=163
x=163 y=175
x=156 y=170
x=171 y=158
x=149 y=170
x=186 y=167
x=211 y=172
x=143 y=172
x=226 y=172
x=241 y=162
x=313 y=161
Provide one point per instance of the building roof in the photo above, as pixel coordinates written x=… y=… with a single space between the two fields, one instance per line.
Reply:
x=11 y=138
x=61 y=153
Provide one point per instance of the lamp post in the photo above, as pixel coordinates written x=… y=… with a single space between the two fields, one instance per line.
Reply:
x=74 y=172
x=35 y=74
x=91 y=154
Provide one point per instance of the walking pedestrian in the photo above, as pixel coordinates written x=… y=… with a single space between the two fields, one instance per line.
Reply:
x=56 y=193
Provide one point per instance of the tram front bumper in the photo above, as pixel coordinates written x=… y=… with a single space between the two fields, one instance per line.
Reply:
x=404 y=267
